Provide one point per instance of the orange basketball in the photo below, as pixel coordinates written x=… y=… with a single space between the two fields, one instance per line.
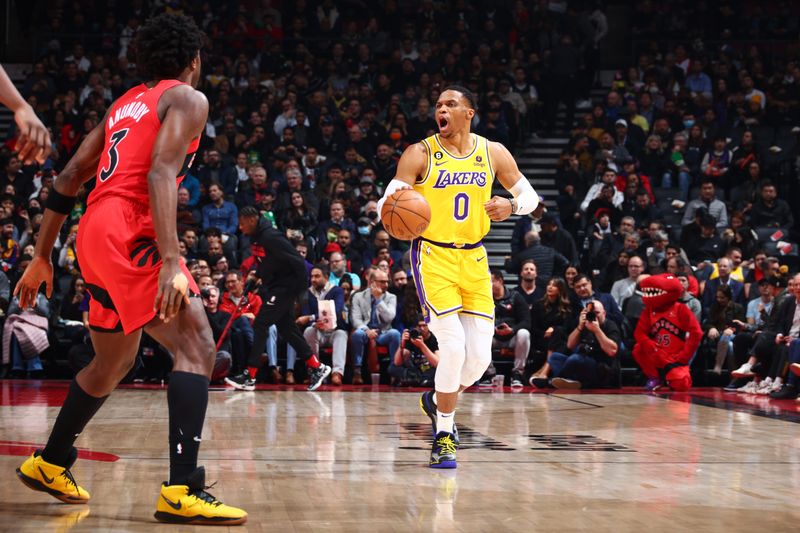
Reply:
x=406 y=214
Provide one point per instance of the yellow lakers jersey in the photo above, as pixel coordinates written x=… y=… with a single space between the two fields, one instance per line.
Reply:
x=456 y=189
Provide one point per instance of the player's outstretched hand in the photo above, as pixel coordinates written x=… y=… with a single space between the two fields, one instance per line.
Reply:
x=39 y=271
x=173 y=290
x=498 y=208
x=33 y=143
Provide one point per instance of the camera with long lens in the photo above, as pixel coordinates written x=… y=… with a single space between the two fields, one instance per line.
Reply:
x=591 y=316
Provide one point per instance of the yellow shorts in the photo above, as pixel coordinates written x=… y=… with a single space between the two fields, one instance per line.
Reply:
x=452 y=280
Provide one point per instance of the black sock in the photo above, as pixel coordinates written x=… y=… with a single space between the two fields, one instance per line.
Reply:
x=79 y=407
x=187 y=397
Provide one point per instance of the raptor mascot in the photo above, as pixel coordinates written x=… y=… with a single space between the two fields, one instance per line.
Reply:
x=667 y=334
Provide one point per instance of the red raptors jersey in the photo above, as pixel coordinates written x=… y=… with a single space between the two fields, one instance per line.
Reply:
x=130 y=132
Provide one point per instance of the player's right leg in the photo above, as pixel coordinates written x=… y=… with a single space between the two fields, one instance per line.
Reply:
x=450 y=335
x=48 y=470
x=246 y=380
x=183 y=498
x=294 y=338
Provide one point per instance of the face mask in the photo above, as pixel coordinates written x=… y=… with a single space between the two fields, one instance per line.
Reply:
x=363 y=230
x=688 y=123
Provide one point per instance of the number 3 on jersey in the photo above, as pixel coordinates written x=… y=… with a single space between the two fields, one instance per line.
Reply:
x=113 y=155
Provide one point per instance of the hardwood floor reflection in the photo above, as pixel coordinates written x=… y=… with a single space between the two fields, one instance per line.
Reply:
x=357 y=461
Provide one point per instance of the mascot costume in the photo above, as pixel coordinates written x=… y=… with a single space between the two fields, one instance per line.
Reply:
x=667 y=334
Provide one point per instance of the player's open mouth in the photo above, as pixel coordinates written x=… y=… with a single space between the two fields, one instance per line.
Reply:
x=442 y=123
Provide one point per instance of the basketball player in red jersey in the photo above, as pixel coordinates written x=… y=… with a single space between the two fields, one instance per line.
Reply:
x=128 y=251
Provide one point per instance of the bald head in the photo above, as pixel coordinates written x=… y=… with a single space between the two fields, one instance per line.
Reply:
x=531 y=238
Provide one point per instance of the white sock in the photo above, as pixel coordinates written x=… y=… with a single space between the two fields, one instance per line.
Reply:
x=444 y=421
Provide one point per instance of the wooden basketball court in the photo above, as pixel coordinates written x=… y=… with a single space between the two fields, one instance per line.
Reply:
x=355 y=459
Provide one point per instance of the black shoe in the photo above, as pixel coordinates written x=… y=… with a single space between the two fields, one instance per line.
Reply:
x=241 y=382
x=517 y=381
x=539 y=383
x=428 y=407
x=735 y=384
x=787 y=392
x=318 y=375
x=486 y=381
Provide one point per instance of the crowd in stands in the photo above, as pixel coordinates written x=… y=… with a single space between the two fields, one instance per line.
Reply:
x=684 y=167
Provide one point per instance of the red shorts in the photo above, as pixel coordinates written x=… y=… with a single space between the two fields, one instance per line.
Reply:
x=120 y=262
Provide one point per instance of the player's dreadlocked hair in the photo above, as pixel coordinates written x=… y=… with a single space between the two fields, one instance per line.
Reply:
x=166 y=44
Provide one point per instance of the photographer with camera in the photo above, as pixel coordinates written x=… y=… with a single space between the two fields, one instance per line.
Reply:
x=414 y=362
x=594 y=344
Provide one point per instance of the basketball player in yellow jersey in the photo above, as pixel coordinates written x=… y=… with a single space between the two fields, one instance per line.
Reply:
x=454 y=171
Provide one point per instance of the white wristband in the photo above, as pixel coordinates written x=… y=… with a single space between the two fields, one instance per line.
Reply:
x=391 y=188
x=526 y=198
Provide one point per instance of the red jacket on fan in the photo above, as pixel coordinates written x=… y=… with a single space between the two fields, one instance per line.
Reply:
x=252 y=306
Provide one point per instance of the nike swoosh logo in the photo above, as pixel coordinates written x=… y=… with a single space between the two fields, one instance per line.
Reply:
x=270 y=303
x=439 y=163
x=47 y=480
x=481 y=259
x=176 y=506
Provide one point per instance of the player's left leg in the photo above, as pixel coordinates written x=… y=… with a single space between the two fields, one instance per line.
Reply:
x=183 y=499
x=48 y=470
x=478 y=332
x=477 y=316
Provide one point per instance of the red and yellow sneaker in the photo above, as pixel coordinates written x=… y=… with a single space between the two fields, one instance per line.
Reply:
x=191 y=504
x=55 y=480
